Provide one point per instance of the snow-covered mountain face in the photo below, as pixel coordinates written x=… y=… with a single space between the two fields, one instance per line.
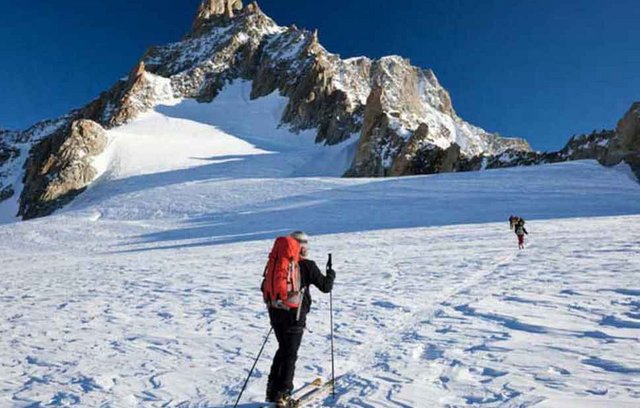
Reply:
x=390 y=117
x=325 y=92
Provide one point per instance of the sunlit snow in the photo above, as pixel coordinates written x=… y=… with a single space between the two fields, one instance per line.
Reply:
x=144 y=291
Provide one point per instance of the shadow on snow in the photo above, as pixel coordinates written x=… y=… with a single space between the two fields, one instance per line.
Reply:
x=409 y=202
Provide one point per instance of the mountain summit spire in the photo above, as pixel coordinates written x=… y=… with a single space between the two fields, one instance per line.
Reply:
x=213 y=8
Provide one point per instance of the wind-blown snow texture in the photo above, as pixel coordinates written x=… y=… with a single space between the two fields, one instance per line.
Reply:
x=144 y=291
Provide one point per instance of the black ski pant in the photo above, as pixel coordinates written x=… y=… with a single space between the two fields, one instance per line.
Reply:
x=289 y=334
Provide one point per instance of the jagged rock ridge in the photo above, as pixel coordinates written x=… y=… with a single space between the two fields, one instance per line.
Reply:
x=403 y=117
x=609 y=147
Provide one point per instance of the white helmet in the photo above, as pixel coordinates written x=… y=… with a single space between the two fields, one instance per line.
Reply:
x=301 y=237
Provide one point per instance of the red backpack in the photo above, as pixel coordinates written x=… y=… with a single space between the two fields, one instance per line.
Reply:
x=282 y=285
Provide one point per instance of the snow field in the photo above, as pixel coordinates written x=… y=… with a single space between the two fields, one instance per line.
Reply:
x=145 y=290
x=445 y=316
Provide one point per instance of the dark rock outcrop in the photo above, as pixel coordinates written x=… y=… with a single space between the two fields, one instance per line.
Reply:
x=609 y=147
x=7 y=152
x=405 y=163
x=587 y=147
x=628 y=133
x=376 y=136
x=59 y=167
x=582 y=147
x=434 y=159
x=6 y=193
x=625 y=146
x=418 y=157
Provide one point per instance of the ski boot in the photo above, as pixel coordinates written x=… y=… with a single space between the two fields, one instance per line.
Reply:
x=284 y=400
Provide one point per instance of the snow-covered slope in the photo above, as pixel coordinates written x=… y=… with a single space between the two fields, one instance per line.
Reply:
x=224 y=137
x=204 y=149
x=144 y=292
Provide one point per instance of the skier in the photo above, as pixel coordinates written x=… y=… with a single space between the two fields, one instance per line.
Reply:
x=520 y=231
x=289 y=324
x=513 y=220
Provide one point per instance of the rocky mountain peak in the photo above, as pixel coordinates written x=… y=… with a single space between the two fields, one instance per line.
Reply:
x=402 y=117
x=253 y=7
x=212 y=10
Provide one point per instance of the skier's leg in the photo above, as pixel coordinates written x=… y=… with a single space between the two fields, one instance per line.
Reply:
x=279 y=321
x=293 y=338
x=275 y=381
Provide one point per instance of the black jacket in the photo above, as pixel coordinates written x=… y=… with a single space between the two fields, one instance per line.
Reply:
x=310 y=275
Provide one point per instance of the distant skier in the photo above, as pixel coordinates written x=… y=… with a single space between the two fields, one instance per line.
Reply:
x=520 y=231
x=513 y=220
x=288 y=276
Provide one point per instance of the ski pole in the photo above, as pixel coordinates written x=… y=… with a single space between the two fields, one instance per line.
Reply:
x=253 y=367
x=333 y=370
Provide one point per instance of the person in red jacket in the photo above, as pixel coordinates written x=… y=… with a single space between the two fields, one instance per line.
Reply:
x=520 y=231
x=289 y=327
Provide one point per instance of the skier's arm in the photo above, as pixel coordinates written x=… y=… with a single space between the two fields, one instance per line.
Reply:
x=324 y=283
x=525 y=230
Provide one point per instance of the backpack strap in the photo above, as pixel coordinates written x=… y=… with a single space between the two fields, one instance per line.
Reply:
x=302 y=290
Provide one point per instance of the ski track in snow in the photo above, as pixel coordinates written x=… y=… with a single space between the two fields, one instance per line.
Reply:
x=144 y=292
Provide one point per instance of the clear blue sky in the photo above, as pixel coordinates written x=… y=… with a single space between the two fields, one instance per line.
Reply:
x=540 y=69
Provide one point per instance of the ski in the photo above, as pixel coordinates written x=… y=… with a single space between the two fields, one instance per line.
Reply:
x=314 y=394
x=304 y=390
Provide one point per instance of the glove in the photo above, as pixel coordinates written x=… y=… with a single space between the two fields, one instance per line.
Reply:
x=331 y=274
